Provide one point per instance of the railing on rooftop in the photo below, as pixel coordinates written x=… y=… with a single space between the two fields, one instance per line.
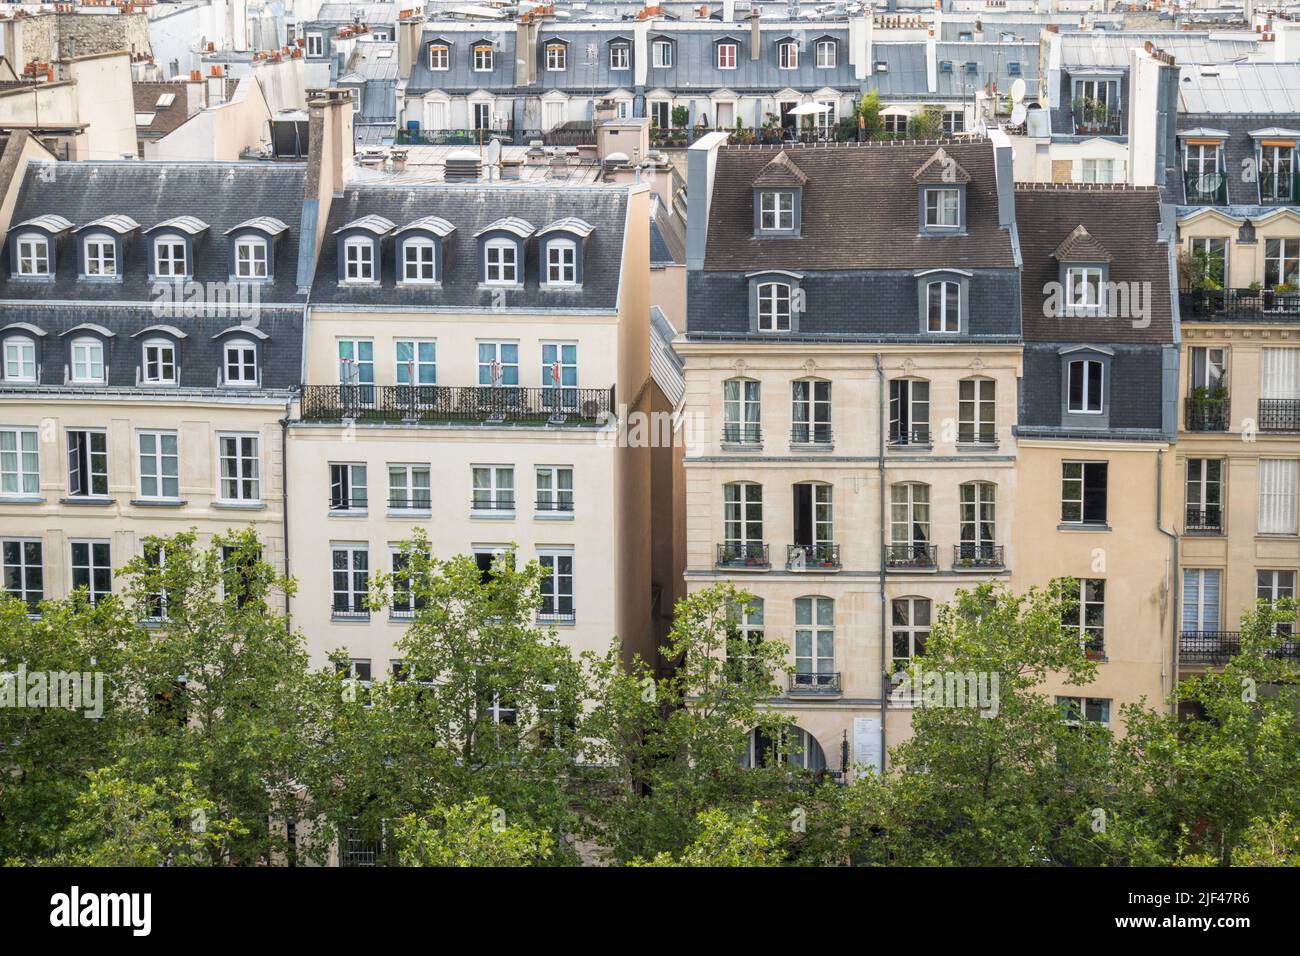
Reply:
x=451 y=404
x=1238 y=304
x=1205 y=189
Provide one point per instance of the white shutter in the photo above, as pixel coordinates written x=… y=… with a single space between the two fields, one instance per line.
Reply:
x=1277 y=495
x=1201 y=599
x=1280 y=375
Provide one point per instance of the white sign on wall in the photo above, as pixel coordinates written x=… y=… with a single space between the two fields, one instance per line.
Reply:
x=866 y=742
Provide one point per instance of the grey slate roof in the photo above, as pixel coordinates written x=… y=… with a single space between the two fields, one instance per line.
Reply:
x=461 y=77
x=992 y=64
x=1238 y=151
x=667 y=368
x=1240 y=88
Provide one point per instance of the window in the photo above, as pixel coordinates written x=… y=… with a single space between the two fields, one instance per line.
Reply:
x=100 y=256
x=359 y=260
x=661 y=113
x=825 y=54
x=909 y=518
x=87 y=361
x=498 y=363
x=1278 y=478
x=1272 y=587
x=814 y=641
x=33 y=256
x=24 y=573
x=977 y=411
x=556 y=56
x=250 y=258
x=487 y=557
x=494 y=488
x=1201 y=593
x=895 y=123
x=159 y=362
x=742 y=518
x=793 y=746
x=1097 y=171
x=240 y=468
x=418 y=261
x=1210 y=257
x=1083 y=492
x=439 y=56
x=350 y=580
x=561 y=262
x=726 y=56
x=91 y=569
x=482 y=116
x=241 y=362
x=1084 y=387
x=787 y=55
x=1086 y=614
x=169 y=258
x=909 y=411
x=409 y=487
x=159 y=465
x=417 y=362
x=943 y=306
x=744 y=638
x=1083 y=287
x=315 y=44
x=741 y=412
x=1209 y=367
x=87 y=463
x=502 y=257
x=348 y=487
x=1204 y=495
x=555 y=489
x=404 y=603
x=661 y=54
x=814 y=526
x=482 y=58
x=776 y=211
x=1282 y=263
x=356 y=362
x=810 y=412
x=954 y=121
x=557 y=586
x=910 y=629
x=20 y=472
x=774 y=307
x=1076 y=711
x=559 y=375
x=20 y=359
x=943 y=208
x=978 y=520
x=1276 y=173
x=619 y=58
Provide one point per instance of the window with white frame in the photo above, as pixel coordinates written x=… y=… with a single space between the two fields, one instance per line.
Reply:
x=1274 y=586
x=661 y=54
x=1282 y=263
x=359 y=260
x=498 y=364
x=1202 y=590
x=494 y=488
x=159 y=465
x=1204 y=495
x=726 y=56
x=954 y=121
x=92 y=569
x=561 y=262
x=810 y=412
x=1084 y=492
x=742 y=520
x=315 y=44
x=159 y=362
x=1084 y=387
x=348 y=487
x=741 y=412
x=20 y=471
x=787 y=55
x=240 y=362
x=1085 y=613
x=619 y=57
x=87 y=361
x=87 y=463
x=774 y=301
x=24 y=571
x=744 y=638
x=409 y=487
x=977 y=411
x=557 y=57
x=814 y=641
x=482 y=58
x=1097 y=171
x=33 y=255
x=557 y=586
x=555 y=489
x=1277 y=169
x=169 y=258
x=826 y=54
x=661 y=113
x=502 y=262
x=943 y=306
x=909 y=630
x=356 y=362
x=404 y=603
x=776 y=211
x=942 y=208
x=418 y=261
x=1278 y=479
x=909 y=411
x=909 y=516
x=1083 y=287
x=1077 y=711
x=417 y=362
x=99 y=255
x=560 y=375
x=250 y=258
x=240 y=468
x=350 y=580
x=814 y=525
x=439 y=56
x=482 y=115
x=978 y=521
x=20 y=359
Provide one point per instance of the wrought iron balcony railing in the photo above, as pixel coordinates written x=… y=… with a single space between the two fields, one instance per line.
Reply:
x=415 y=502
x=743 y=554
x=812 y=557
x=983 y=436
x=1278 y=188
x=916 y=435
x=1279 y=414
x=1229 y=304
x=966 y=557
x=561 y=505
x=813 y=685
x=1206 y=189
x=802 y=433
x=545 y=616
x=734 y=434
x=1208 y=647
x=1207 y=414
x=355 y=611
x=355 y=503
x=1207 y=520
x=483 y=404
x=917 y=556
x=499 y=502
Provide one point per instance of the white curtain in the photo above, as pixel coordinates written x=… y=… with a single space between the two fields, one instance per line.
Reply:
x=1280 y=373
x=1277 y=495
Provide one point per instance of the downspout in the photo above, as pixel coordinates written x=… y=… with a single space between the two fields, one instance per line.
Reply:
x=1174 y=589
x=880 y=468
x=284 y=499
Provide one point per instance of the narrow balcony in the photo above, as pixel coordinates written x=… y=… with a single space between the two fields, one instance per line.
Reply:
x=559 y=507
x=814 y=685
x=748 y=434
x=977 y=557
x=1094 y=118
x=492 y=504
x=812 y=557
x=1278 y=188
x=1229 y=304
x=1279 y=414
x=451 y=404
x=342 y=610
x=415 y=502
x=743 y=556
x=1206 y=189
x=1208 y=647
x=912 y=557
x=1207 y=414
x=805 y=434
x=1207 y=520
x=984 y=436
x=342 y=504
x=548 y=615
x=917 y=435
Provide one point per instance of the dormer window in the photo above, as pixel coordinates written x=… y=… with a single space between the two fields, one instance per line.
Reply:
x=159 y=366
x=1204 y=181
x=620 y=57
x=826 y=54
x=561 y=251
x=33 y=255
x=661 y=54
x=251 y=258
x=787 y=55
x=501 y=262
x=20 y=360
x=100 y=255
x=1084 y=266
x=1084 y=384
x=942 y=208
x=315 y=44
x=483 y=58
x=557 y=57
x=170 y=258
x=240 y=362
x=501 y=247
x=418 y=261
x=941 y=187
x=727 y=56
x=87 y=361
x=561 y=262
x=439 y=56
x=943 y=306
x=1278 y=179
x=774 y=307
x=1083 y=287
x=776 y=211
x=359 y=260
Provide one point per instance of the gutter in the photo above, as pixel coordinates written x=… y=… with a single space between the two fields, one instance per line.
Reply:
x=284 y=500
x=1174 y=590
x=884 y=621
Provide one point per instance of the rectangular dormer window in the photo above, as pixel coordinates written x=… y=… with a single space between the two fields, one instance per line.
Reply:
x=483 y=58
x=1084 y=387
x=1083 y=287
x=787 y=55
x=359 y=260
x=557 y=57
x=169 y=259
x=1203 y=178
x=943 y=208
x=776 y=211
x=101 y=256
x=250 y=259
x=774 y=307
x=315 y=44
x=502 y=266
x=825 y=54
x=661 y=54
x=439 y=57
x=618 y=57
x=33 y=256
x=726 y=56
x=561 y=263
x=20 y=360
x=943 y=306
x=159 y=362
x=1277 y=173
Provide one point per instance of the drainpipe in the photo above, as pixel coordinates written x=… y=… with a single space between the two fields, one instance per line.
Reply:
x=284 y=498
x=1174 y=590
x=880 y=468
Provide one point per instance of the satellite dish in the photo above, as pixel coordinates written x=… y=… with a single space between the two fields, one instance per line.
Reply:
x=1017 y=90
x=1018 y=114
x=493 y=155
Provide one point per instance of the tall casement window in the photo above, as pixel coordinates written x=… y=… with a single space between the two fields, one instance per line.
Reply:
x=557 y=587
x=943 y=306
x=20 y=360
x=977 y=411
x=498 y=364
x=978 y=520
x=350 y=577
x=20 y=471
x=418 y=261
x=741 y=412
x=1083 y=492
x=250 y=258
x=726 y=56
x=909 y=630
x=92 y=569
x=482 y=58
x=1086 y=379
x=359 y=260
x=87 y=463
x=555 y=489
x=100 y=256
x=87 y=361
x=775 y=211
x=814 y=642
x=409 y=488
x=1277 y=172
x=560 y=375
x=240 y=468
x=814 y=527
x=1201 y=590
x=439 y=56
x=661 y=54
x=348 y=487
x=1209 y=368
x=159 y=365
x=942 y=208
x=169 y=258
x=417 y=362
x=1202 y=172
x=1279 y=376
x=502 y=263
x=1210 y=256
x=742 y=521
x=405 y=604
x=315 y=44
x=1085 y=614
x=557 y=57
x=357 y=368
x=494 y=488
x=909 y=520
x=33 y=255
x=810 y=412
x=1204 y=496
x=23 y=571
x=909 y=411
x=1278 y=478
x=661 y=113
x=159 y=465
x=1282 y=263
x=155 y=559
x=743 y=638
x=787 y=55
x=774 y=307
x=825 y=54
x=1274 y=586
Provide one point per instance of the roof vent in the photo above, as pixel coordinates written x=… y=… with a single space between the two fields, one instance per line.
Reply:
x=463 y=166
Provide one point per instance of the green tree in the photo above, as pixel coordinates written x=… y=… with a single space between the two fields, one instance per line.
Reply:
x=473 y=833
x=869 y=109
x=730 y=840
x=927 y=124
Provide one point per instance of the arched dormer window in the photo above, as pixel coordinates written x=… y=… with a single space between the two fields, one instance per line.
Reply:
x=502 y=246
x=359 y=260
x=32 y=255
x=420 y=250
x=33 y=246
x=251 y=258
x=943 y=295
x=775 y=301
x=99 y=255
x=359 y=249
x=87 y=364
x=171 y=259
x=239 y=362
x=21 y=362
x=562 y=245
x=159 y=362
x=787 y=54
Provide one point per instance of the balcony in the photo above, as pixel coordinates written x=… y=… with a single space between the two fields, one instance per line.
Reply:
x=912 y=557
x=500 y=503
x=1207 y=520
x=977 y=557
x=343 y=611
x=561 y=616
x=1095 y=118
x=466 y=137
x=812 y=557
x=560 y=507
x=918 y=435
x=1228 y=304
x=736 y=434
x=1278 y=189
x=743 y=556
x=417 y=502
x=356 y=504
x=1279 y=415
x=805 y=434
x=985 y=436
x=1207 y=189
x=1207 y=414
x=1215 y=647
x=449 y=404
x=814 y=685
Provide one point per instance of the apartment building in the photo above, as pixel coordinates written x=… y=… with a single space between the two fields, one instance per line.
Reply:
x=151 y=332
x=852 y=361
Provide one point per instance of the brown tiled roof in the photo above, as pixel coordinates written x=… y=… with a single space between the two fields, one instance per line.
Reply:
x=859 y=210
x=1123 y=220
x=166 y=118
x=781 y=171
x=941 y=168
x=1080 y=246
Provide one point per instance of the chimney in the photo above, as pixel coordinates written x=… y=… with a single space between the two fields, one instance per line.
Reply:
x=409 y=28
x=755 y=38
x=525 y=51
x=728 y=11
x=330 y=119
x=1004 y=166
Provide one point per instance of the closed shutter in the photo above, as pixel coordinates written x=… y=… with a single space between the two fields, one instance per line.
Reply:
x=1280 y=374
x=1200 y=599
x=1277 y=495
